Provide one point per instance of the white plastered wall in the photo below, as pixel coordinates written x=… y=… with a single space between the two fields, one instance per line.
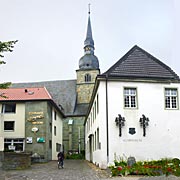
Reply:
x=19 y=129
x=58 y=137
x=162 y=134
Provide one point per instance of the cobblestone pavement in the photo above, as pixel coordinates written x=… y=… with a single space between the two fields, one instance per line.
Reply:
x=73 y=170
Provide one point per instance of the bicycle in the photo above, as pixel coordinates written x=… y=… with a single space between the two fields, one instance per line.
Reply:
x=60 y=163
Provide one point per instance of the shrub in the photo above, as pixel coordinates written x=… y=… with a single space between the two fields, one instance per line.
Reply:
x=74 y=156
x=148 y=168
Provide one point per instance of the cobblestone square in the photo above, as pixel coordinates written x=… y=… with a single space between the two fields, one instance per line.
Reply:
x=73 y=170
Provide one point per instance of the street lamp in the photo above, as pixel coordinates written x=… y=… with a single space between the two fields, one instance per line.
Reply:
x=120 y=121
x=144 y=122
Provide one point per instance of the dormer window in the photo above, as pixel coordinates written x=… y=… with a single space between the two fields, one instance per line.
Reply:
x=87 y=78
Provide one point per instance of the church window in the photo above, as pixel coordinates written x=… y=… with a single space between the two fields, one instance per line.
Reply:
x=87 y=78
x=171 y=98
x=130 y=99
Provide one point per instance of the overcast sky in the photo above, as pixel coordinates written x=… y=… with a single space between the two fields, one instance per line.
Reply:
x=51 y=34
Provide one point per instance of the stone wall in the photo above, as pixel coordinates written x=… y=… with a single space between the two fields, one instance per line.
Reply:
x=16 y=160
x=1 y=158
x=85 y=89
x=71 y=134
x=37 y=116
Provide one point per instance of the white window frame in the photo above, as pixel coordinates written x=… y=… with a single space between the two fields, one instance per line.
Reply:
x=171 y=95
x=14 y=142
x=130 y=97
x=5 y=105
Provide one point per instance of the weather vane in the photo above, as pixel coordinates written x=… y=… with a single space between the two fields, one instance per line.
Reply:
x=89 y=8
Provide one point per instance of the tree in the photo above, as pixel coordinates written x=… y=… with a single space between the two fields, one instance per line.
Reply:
x=5 y=47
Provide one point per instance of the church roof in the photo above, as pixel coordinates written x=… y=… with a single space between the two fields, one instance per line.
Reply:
x=139 y=64
x=63 y=92
x=89 y=39
x=89 y=60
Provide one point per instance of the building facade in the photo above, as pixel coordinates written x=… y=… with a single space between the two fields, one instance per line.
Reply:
x=31 y=122
x=134 y=111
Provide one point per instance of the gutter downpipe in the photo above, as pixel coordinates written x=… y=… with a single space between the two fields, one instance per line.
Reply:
x=107 y=119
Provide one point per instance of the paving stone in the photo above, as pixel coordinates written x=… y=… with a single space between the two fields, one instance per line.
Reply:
x=73 y=170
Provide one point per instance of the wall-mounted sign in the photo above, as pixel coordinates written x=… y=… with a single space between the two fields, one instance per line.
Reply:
x=132 y=140
x=11 y=147
x=37 y=122
x=29 y=140
x=35 y=115
x=34 y=129
x=40 y=140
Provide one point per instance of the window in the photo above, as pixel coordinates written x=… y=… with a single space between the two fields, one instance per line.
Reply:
x=54 y=115
x=97 y=104
x=58 y=147
x=130 y=98
x=95 y=141
x=14 y=144
x=8 y=125
x=50 y=144
x=95 y=109
x=50 y=127
x=171 y=99
x=93 y=115
x=55 y=130
x=98 y=146
x=87 y=78
x=9 y=108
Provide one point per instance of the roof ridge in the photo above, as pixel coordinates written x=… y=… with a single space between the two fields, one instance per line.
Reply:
x=157 y=61
x=120 y=60
x=48 y=93
x=138 y=63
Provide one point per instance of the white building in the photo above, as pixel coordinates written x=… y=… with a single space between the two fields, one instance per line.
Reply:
x=138 y=84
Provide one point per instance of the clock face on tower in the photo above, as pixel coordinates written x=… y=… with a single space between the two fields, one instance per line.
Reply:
x=87 y=48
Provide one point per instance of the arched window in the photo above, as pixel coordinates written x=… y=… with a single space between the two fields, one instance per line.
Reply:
x=87 y=78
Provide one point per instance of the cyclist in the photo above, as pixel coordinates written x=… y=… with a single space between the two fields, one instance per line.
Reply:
x=60 y=159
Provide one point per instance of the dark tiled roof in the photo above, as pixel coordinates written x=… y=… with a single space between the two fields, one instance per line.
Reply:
x=81 y=109
x=139 y=64
x=63 y=92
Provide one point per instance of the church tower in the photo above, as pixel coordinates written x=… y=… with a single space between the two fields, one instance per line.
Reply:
x=88 y=69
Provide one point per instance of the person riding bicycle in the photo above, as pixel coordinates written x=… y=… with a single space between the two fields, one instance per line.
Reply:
x=61 y=158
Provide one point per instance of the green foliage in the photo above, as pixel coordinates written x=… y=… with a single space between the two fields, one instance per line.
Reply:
x=5 y=47
x=74 y=156
x=147 y=168
x=4 y=85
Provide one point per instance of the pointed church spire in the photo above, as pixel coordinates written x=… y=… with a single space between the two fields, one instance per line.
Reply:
x=89 y=42
x=89 y=60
